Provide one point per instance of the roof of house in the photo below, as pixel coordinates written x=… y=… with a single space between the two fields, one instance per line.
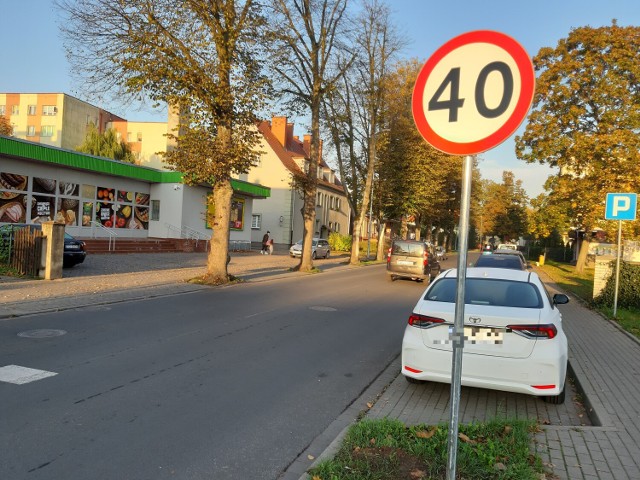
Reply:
x=295 y=149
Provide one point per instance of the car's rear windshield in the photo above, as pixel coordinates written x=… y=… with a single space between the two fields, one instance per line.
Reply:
x=408 y=249
x=487 y=291
x=500 y=261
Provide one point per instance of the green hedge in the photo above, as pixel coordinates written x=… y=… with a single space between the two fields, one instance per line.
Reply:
x=628 y=291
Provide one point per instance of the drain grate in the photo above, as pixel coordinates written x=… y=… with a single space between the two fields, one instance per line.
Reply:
x=42 y=333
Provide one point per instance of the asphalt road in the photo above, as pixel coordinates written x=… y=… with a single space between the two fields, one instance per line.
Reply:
x=227 y=383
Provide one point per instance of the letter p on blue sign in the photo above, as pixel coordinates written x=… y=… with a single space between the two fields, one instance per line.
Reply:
x=621 y=206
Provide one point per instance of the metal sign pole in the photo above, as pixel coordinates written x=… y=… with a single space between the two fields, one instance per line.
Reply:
x=615 y=295
x=458 y=327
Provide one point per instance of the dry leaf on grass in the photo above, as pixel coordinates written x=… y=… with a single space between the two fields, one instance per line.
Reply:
x=500 y=466
x=507 y=429
x=427 y=433
x=417 y=474
x=372 y=441
x=466 y=439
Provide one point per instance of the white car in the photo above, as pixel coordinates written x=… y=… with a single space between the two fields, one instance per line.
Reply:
x=513 y=334
x=319 y=248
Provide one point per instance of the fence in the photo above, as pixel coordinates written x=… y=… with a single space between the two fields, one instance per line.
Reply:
x=25 y=252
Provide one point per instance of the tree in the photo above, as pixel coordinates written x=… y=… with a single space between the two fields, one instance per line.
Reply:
x=200 y=57
x=415 y=179
x=5 y=126
x=505 y=208
x=306 y=38
x=107 y=145
x=586 y=118
x=377 y=43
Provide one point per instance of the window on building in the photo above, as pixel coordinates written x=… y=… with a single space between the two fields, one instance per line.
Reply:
x=139 y=136
x=129 y=137
x=31 y=109
x=155 y=210
x=51 y=110
x=90 y=120
x=15 y=109
x=46 y=131
x=337 y=204
x=337 y=227
x=31 y=131
x=256 y=221
x=319 y=199
x=333 y=202
x=3 y=109
x=330 y=225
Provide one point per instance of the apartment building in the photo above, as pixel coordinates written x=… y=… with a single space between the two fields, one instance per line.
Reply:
x=61 y=120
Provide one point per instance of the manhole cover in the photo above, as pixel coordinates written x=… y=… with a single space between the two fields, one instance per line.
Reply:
x=43 y=333
x=323 y=309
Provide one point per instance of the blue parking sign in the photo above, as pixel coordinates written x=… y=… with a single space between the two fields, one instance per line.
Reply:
x=621 y=206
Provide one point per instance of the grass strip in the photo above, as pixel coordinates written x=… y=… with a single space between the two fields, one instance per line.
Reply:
x=388 y=450
x=581 y=285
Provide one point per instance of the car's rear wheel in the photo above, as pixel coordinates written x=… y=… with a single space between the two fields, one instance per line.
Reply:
x=313 y=255
x=328 y=254
x=392 y=278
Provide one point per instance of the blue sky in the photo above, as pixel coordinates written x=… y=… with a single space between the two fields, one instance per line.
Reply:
x=34 y=61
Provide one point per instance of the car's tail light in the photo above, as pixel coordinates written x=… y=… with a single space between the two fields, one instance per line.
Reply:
x=83 y=246
x=423 y=321
x=425 y=262
x=389 y=255
x=545 y=331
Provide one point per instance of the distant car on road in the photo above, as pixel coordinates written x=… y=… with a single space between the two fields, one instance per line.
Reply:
x=500 y=261
x=513 y=334
x=515 y=253
x=319 y=248
x=412 y=259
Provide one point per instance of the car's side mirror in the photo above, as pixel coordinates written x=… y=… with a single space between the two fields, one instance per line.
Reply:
x=560 y=299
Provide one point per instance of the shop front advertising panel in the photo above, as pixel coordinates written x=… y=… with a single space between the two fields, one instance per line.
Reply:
x=45 y=199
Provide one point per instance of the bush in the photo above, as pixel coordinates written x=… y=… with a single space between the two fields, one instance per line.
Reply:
x=339 y=242
x=628 y=291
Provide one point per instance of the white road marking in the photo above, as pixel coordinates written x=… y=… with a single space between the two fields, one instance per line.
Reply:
x=21 y=375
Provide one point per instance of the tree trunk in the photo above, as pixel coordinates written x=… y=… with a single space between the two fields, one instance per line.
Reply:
x=219 y=245
x=381 y=238
x=311 y=190
x=582 y=255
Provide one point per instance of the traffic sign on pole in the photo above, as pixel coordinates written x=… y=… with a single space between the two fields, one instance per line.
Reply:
x=469 y=97
x=621 y=206
x=473 y=92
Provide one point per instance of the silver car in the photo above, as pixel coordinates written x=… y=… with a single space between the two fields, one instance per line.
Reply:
x=319 y=248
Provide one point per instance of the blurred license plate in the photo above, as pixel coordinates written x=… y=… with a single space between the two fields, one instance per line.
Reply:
x=404 y=262
x=481 y=335
x=73 y=247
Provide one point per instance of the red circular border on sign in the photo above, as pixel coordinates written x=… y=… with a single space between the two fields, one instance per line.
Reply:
x=527 y=77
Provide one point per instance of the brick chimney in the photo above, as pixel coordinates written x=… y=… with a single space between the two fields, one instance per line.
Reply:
x=279 y=129
x=306 y=144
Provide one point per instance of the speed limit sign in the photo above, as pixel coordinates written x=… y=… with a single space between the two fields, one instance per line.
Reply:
x=473 y=92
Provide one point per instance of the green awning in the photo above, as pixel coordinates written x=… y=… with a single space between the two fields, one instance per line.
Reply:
x=17 y=148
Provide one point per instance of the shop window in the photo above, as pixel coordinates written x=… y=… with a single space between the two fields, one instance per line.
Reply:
x=155 y=210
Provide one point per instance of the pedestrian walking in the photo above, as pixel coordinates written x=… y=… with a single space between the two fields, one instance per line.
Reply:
x=265 y=243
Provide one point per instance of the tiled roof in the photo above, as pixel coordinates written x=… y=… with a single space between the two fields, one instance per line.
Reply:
x=295 y=149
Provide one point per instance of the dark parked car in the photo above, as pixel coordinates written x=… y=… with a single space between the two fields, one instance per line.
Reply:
x=501 y=261
x=74 y=250
x=412 y=259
